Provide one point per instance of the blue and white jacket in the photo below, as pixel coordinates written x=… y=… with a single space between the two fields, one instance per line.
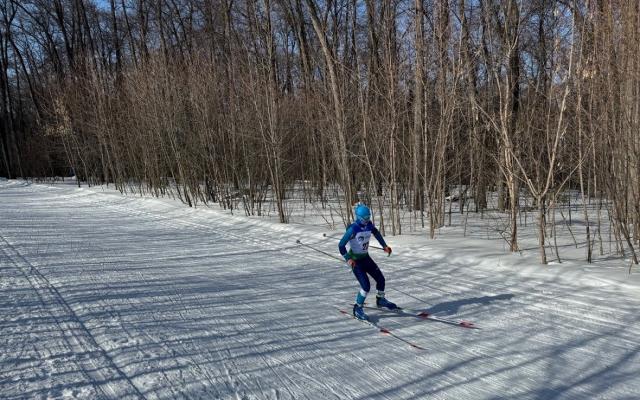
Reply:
x=358 y=236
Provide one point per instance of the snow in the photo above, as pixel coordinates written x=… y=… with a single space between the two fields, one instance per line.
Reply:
x=104 y=296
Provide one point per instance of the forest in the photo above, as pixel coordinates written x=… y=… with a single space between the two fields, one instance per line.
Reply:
x=403 y=104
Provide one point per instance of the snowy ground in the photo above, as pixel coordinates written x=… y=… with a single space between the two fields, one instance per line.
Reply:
x=111 y=297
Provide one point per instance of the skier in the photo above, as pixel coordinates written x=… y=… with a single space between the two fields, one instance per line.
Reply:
x=358 y=235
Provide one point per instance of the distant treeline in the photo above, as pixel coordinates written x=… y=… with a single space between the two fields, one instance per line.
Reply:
x=402 y=99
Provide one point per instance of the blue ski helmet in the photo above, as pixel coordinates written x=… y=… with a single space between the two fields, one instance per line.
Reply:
x=363 y=214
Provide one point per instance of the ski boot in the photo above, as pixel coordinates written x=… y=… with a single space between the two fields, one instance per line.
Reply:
x=358 y=312
x=382 y=302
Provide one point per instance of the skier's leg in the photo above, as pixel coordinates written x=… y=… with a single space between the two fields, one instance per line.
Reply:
x=372 y=269
x=376 y=274
x=365 y=286
x=363 y=279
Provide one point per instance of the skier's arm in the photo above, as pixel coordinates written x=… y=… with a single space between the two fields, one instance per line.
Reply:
x=342 y=246
x=378 y=236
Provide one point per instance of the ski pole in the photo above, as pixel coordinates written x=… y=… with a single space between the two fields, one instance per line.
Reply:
x=319 y=251
x=370 y=246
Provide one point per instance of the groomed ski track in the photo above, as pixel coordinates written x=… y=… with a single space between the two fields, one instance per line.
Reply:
x=105 y=296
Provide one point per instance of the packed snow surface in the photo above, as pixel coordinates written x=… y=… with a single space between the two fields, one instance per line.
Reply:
x=105 y=296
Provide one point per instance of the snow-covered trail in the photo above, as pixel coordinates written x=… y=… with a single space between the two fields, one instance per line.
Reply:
x=111 y=297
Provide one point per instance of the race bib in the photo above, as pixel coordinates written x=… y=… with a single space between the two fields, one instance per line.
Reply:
x=360 y=243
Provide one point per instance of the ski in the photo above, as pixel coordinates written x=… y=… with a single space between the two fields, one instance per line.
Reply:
x=381 y=329
x=426 y=316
